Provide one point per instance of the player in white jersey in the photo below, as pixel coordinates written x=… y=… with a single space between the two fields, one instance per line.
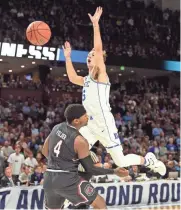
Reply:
x=95 y=98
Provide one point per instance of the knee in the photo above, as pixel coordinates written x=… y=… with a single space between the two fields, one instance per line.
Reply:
x=99 y=203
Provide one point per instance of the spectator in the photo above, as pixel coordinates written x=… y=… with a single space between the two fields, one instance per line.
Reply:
x=44 y=168
x=26 y=109
x=1 y=152
x=178 y=167
x=139 y=131
x=37 y=176
x=157 y=131
x=39 y=159
x=16 y=161
x=155 y=149
x=107 y=162
x=7 y=150
x=171 y=147
x=134 y=143
x=143 y=149
x=118 y=121
x=25 y=176
x=178 y=142
x=2 y=139
x=33 y=146
x=8 y=180
x=163 y=150
x=170 y=168
x=41 y=139
x=168 y=128
x=31 y=161
x=2 y=166
x=34 y=130
x=127 y=117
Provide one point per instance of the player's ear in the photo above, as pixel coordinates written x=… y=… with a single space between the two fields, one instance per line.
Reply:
x=76 y=121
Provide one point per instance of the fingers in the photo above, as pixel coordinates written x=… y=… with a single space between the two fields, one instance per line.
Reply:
x=98 y=12
x=90 y=16
x=66 y=45
x=101 y=10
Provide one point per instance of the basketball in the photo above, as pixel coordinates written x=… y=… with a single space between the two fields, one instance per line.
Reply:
x=38 y=33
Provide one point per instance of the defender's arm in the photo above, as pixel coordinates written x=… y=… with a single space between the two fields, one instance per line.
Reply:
x=81 y=147
x=45 y=147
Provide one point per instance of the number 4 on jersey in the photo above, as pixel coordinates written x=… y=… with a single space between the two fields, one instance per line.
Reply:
x=57 y=148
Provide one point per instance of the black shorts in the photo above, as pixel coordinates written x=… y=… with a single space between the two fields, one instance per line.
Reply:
x=60 y=186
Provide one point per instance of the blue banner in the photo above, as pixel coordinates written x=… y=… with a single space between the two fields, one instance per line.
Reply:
x=76 y=56
x=171 y=65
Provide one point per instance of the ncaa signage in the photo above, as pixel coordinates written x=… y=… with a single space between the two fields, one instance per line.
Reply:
x=33 y=52
x=56 y=54
x=39 y=52
x=115 y=194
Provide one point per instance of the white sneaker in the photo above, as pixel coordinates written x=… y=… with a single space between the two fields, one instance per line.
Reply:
x=155 y=165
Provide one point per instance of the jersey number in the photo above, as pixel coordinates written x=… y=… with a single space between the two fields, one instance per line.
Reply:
x=83 y=95
x=57 y=148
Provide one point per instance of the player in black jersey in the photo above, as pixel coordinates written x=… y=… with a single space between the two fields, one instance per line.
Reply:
x=65 y=148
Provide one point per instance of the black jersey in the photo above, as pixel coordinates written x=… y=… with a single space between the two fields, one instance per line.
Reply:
x=61 y=154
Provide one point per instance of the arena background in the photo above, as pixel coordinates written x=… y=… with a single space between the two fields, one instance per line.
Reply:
x=142 y=42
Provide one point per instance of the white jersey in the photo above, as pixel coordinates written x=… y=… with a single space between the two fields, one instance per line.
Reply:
x=101 y=125
x=95 y=97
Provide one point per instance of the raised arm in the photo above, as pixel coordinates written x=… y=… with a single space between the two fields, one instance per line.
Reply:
x=97 y=35
x=98 y=47
x=72 y=75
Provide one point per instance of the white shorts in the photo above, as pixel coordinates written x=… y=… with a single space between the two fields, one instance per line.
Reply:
x=101 y=128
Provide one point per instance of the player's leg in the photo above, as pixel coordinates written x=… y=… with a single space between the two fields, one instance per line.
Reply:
x=52 y=199
x=87 y=134
x=86 y=176
x=82 y=192
x=122 y=160
x=99 y=203
x=110 y=140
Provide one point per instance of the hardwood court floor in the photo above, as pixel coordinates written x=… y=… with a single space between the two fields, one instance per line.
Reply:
x=158 y=207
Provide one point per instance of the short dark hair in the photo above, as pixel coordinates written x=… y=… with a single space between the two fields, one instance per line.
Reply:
x=74 y=111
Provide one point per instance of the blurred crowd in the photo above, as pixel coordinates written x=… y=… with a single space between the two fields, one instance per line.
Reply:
x=147 y=115
x=129 y=28
x=27 y=82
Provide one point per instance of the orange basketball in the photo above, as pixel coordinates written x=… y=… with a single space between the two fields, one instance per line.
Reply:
x=38 y=33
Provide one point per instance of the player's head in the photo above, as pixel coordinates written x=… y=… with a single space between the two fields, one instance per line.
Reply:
x=91 y=59
x=75 y=115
